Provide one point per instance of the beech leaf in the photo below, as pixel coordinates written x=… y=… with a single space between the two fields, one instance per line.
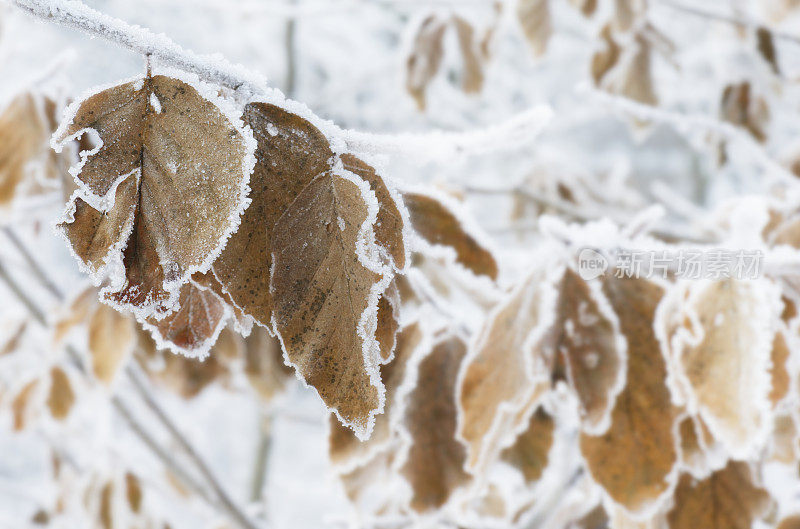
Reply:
x=290 y=152
x=439 y=226
x=534 y=17
x=112 y=337
x=530 y=452
x=727 y=499
x=435 y=463
x=633 y=460
x=324 y=296
x=177 y=167
x=425 y=58
x=61 y=397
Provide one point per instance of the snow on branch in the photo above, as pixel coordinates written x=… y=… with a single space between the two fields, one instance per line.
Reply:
x=435 y=146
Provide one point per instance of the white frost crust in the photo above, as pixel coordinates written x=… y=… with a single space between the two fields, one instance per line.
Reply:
x=762 y=298
x=201 y=352
x=104 y=203
x=543 y=279
x=368 y=256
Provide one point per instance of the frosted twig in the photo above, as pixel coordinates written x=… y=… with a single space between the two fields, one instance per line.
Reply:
x=33 y=266
x=731 y=19
x=686 y=121
x=435 y=145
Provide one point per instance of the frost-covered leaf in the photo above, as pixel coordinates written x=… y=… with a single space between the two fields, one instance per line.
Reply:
x=112 y=337
x=587 y=338
x=501 y=375
x=784 y=443
x=195 y=326
x=290 y=152
x=25 y=155
x=61 y=396
x=439 y=226
x=725 y=365
x=727 y=499
x=344 y=447
x=263 y=364
x=530 y=453
x=633 y=460
x=742 y=107
x=435 y=463
x=182 y=165
x=389 y=228
x=323 y=297
x=534 y=17
x=425 y=58
x=388 y=321
x=472 y=77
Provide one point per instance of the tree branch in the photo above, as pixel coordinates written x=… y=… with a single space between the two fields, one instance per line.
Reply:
x=436 y=145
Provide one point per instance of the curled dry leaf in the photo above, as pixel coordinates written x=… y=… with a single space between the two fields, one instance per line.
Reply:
x=633 y=460
x=133 y=492
x=425 y=58
x=389 y=227
x=290 y=152
x=195 y=326
x=61 y=397
x=112 y=338
x=534 y=17
x=435 y=463
x=263 y=364
x=530 y=453
x=726 y=368
x=501 y=374
x=472 y=77
x=177 y=167
x=345 y=449
x=587 y=339
x=439 y=226
x=745 y=109
x=727 y=499
x=323 y=295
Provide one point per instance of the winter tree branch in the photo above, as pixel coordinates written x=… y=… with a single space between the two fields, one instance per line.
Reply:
x=436 y=146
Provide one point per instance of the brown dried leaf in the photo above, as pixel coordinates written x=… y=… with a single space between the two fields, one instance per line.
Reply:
x=12 y=343
x=626 y=12
x=438 y=225
x=435 y=463
x=727 y=499
x=634 y=78
x=105 y=514
x=133 y=492
x=290 y=153
x=77 y=313
x=790 y=522
x=605 y=59
x=344 y=447
x=61 y=397
x=20 y=406
x=499 y=377
x=534 y=17
x=744 y=109
x=778 y=371
x=530 y=453
x=784 y=445
x=472 y=78
x=189 y=376
x=264 y=366
x=766 y=48
x=633 y=460
x=586 y=7
x=389 y=228
x=183 y=166
x=425 y=59
x=388 y=321
x=727 y=370
x=25 y=133
x=112 y=337
x=195 y=326
x=321 y=289
x=587 y=340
